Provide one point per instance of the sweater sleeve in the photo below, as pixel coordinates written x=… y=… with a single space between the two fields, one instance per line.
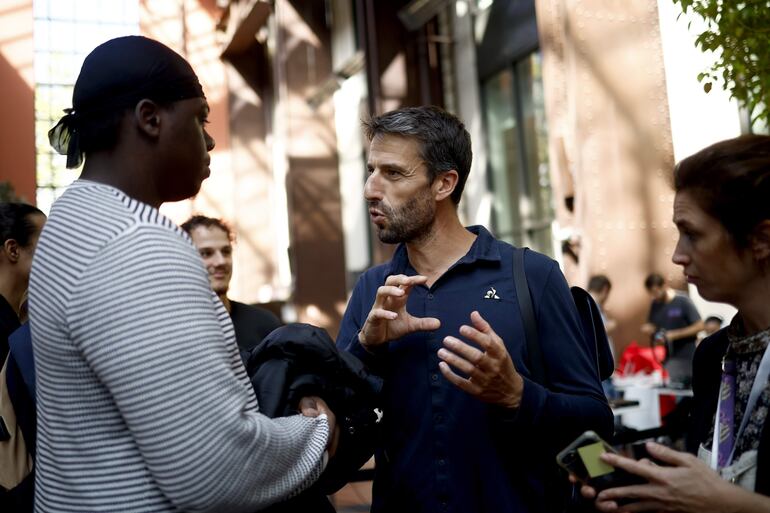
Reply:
x=146 y=322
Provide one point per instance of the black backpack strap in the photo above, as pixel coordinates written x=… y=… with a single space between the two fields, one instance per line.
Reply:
x=536 y=365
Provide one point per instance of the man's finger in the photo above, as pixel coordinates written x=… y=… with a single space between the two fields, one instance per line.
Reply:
x=480 y=323
x=488 y=341
x=426 y=323
x=458 y=381
x=381 y=313
x=455 y=361
x=466 y=351
x=385 y=292
x=397 y=280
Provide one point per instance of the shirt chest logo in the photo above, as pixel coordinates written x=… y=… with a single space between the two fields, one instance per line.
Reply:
x=491 y=294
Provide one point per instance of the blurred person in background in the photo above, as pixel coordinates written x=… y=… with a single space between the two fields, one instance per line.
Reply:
x=20 y=226
x=673 y=321
x=214 y=240
x=712 y=324
x=723 y=217
x=143 y=401
x=599 y=286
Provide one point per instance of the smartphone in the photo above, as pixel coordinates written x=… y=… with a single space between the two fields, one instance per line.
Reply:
x=582 y=458
x=639 y=452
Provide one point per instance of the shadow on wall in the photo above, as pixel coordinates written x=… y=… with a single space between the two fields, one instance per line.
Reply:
x=17 y=131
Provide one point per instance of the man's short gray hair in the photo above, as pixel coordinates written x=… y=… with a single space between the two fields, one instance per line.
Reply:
x=445 y=144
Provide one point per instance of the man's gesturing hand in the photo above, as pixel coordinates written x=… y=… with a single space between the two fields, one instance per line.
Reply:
x=388 y=319
x=491 y=374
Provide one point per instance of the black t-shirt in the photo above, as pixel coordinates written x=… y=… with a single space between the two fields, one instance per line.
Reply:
x=251 y=324
x=679 y=313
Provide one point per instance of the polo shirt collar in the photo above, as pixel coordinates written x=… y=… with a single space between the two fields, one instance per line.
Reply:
x=483 y=248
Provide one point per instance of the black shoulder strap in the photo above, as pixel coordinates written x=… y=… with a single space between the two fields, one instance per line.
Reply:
x=528 y=316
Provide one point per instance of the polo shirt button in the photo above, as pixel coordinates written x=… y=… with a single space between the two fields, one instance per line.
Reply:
x=441 y=462
x=430 y=296
x=444 y=505
x=438 y=418
x=434 y=377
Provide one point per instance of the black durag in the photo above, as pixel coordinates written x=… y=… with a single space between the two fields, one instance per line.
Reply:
x=116 y=75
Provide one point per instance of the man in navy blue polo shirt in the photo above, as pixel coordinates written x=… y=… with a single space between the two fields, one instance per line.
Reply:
x=465 y=429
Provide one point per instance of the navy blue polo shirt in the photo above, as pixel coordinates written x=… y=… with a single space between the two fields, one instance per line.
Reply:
x=444 y=450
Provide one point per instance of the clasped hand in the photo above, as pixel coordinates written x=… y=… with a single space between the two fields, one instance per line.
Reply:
x=313 y=406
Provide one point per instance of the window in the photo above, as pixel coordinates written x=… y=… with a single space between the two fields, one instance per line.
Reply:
x=518 y=158
x=65 y=32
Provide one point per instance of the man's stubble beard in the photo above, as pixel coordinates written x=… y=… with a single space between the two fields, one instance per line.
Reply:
x=410 y=223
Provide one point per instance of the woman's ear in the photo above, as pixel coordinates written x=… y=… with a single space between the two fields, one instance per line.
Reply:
x=11 y=248
x=760 y=241
x=444 y=184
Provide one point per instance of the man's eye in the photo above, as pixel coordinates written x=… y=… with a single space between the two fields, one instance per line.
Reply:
x=205 y=254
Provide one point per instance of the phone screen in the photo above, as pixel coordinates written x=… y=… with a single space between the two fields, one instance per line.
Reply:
x=582 y=458
x=589 y=457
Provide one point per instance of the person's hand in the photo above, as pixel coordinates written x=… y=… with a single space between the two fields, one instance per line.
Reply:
x=686 y=485
x=492 y=376
x=312 y=406
x=648 y=328
x=388 y=318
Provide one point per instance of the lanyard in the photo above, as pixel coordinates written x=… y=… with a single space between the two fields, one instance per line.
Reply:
x=760 y=380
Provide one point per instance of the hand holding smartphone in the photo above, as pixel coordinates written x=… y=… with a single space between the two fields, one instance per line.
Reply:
x=582 y=459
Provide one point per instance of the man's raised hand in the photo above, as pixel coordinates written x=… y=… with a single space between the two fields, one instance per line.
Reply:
x=388 y=319
x=492 y=377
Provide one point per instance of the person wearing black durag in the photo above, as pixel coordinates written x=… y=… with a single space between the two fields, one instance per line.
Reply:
x=143 y=401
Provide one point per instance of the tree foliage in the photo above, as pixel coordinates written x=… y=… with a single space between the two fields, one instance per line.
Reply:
x=737 y=31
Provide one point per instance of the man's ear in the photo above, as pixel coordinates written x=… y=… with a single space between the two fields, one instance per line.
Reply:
x=147 y=116
x=444 y=184
x=760 y=241
x=11 y=249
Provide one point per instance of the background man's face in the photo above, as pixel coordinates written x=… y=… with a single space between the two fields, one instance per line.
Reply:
x=401 y=203
x=657 y=292
x=217 y=252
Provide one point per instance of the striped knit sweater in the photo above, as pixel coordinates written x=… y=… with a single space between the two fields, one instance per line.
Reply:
x=143 y=402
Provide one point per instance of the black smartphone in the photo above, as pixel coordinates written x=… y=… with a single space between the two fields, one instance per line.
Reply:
x=582 y=458
x=639 y=452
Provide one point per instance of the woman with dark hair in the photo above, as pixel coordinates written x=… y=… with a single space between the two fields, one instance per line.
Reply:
x=20 y=226
x=722 y=212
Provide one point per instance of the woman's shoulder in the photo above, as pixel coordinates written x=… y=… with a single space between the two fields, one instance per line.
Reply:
x=712 y=347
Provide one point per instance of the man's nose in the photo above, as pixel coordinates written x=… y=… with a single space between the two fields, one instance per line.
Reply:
x=218 y=258
x=372 y=190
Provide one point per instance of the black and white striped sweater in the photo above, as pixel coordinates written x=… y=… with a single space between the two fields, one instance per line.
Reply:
x=143 y=402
